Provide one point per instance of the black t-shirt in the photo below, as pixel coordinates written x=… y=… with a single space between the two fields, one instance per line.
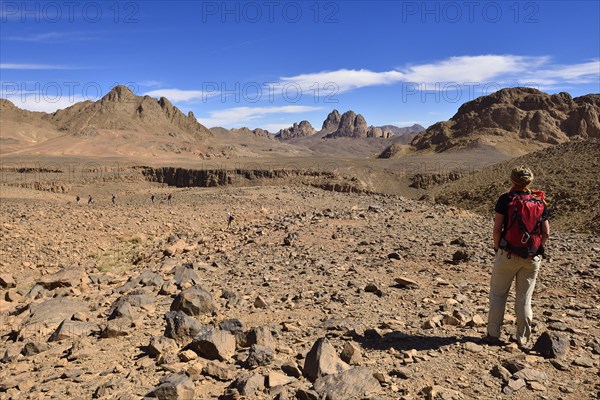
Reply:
x=504 y=201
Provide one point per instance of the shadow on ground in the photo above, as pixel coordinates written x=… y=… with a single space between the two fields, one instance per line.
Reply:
x=401 y=341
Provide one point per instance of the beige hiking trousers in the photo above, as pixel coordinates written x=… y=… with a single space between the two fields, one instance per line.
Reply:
x=524 y=271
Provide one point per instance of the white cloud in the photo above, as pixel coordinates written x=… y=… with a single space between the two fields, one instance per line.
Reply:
x=343 y=79
x=587 y=72
x=480 y=69
x=176 y=95
x=45 y=103
x=34 y=66
x=242 y=116
x=53 y=37
x=274 y=128
x=501 y=70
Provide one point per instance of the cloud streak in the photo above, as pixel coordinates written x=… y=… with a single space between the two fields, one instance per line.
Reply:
x=482 y=69
x=242 y=116
x=35 y=67
x=51 y=37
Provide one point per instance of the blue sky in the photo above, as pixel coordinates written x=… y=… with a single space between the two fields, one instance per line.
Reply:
x=271 y=63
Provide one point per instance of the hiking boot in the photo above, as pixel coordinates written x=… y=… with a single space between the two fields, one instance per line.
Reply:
x=491 y=341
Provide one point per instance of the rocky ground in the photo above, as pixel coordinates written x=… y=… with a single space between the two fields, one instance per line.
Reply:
x=309 y=294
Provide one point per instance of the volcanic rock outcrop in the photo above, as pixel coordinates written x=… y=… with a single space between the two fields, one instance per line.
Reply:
x=351 y=125
x=518 y=113
x=304 y=128
x=121 y=109
x=332 y=122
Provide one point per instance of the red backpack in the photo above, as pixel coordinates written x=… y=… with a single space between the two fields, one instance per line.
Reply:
x=523 y=231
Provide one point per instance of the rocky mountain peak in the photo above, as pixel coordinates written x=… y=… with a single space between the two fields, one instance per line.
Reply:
x=304 y=128
x=350 y=125
x=332 y=122
x=118 y=94
x=516 y=114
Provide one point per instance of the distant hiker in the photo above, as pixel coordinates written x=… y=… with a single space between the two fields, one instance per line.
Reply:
x=114 y=199
x=152 y=199
x=229 y=219
x=90 y=199
x=521 y=229
x=169 y=197
x=77 y=198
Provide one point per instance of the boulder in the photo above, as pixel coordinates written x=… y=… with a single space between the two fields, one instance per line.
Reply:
x=45 y=317
x=355 y=383
x=160 y=345
x=259 y=356
x=69 y=329
x=351 y=353
x=7 y=281
x=248 y=385
x=219 y=370
x=64 y=278
x=436 y=392
x=181 y=327
x=174 y=387
x=321 y=360
x=213 y=344
x=551 y=345
x=194 y=301
x=403 y=282
x=186 y=276
x=275 y=378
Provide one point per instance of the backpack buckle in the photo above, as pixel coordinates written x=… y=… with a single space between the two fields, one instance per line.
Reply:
x=525 y=238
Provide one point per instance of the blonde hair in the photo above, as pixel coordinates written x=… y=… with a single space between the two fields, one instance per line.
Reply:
x=521 y=176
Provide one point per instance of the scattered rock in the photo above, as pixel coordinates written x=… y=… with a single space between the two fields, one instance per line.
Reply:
x=351 y=353
x=33 y=348
x=181 y=327
x=473 y=347
x=160 y=345
x=116 y=328
x=232 y=326
x=291 y=369
x=513 y=385
x=551 y=345
x=64 y=278
x=406 y=283
x=500 y=372
x=261 y=336
x=187 y=355
x=259 y=356
x=219 y=370
x=213 y=344
x=260 y=302
x=460 y=256
x=174 y=387
x=402 y=372
x=322 y=360
x=584 y=361
x=530 y=374
x=121 y=310
x=275 y=378
x=436 y=392
x=194 y=301
x=7 y=281
x=69 y=329
x=356 y=382
x=250 y=384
